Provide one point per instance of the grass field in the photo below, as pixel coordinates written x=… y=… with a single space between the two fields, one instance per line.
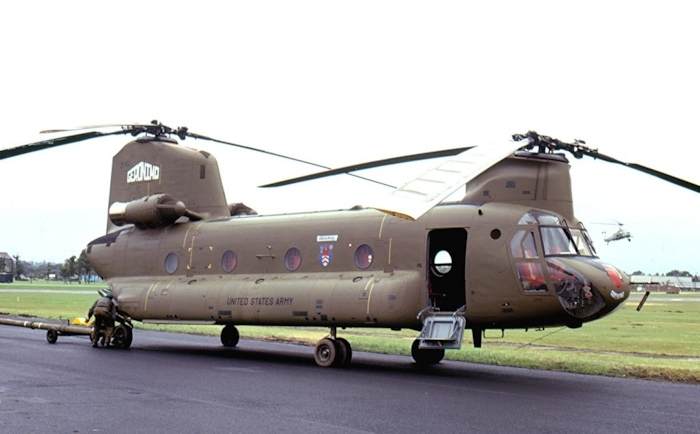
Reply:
x=662 y=341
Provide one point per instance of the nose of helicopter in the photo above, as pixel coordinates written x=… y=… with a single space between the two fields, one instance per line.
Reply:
x=587 y=288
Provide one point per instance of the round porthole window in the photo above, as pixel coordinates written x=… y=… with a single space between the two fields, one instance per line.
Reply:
x=229 y=260
x=364 y=256
x=292 y=259
x=442 y=263
x=171 y=263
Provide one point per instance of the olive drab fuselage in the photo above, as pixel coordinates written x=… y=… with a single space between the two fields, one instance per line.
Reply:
x=174 y=253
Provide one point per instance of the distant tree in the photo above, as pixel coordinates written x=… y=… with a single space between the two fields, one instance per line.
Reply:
x=19 y=267
x=17 y=270
x=26 y=268
x=696 y=278
x=84 y=267
x=69 y=268
x=637 y=273
x=679 y=273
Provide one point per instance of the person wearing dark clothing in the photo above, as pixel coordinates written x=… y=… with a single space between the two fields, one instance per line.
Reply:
x=104 y=311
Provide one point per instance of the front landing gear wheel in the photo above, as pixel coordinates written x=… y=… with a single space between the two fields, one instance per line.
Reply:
x=230 y=336
x=326 y=352
x=426 y=357
x=344 y=352
x=52 y=336
x=122 y=337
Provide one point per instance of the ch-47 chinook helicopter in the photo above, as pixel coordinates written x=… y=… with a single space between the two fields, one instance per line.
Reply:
x=509 y=254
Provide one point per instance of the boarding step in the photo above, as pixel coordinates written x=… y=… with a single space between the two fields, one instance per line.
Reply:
x=441 y=330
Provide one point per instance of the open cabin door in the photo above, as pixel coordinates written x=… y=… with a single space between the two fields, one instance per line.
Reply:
x=447 y=253
x=443 y=320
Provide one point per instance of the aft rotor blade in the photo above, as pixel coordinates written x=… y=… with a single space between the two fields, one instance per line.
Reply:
x=199 y=136
x=371 y=165
x=52 y=143
x=649 y=171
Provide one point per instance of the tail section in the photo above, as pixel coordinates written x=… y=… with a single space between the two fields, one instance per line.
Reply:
x=155 y=181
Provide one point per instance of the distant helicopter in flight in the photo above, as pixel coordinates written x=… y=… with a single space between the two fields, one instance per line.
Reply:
x=620 y=234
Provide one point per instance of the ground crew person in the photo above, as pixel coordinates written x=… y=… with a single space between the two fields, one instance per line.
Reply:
x=104 y=310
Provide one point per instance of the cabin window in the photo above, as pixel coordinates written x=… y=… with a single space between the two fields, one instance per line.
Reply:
x=442 y=263
x=364 y=256
x=229 y=260
x=292 y=259
x=171 y=263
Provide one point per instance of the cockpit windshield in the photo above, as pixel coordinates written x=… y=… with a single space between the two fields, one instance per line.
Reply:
x=556 y=241
x=557 y=238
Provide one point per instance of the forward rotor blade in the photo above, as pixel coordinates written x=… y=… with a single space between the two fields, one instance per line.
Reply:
x=370 y=165
x=52 y=143
x=94 y=127
x=418 y=196
x=649 y=171
x=579 y=150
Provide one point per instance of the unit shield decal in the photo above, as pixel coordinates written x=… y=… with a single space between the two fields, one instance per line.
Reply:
x=325 y=254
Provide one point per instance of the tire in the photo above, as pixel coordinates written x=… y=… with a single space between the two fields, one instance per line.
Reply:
x=426 y=357
x=52 y=336
x=344 y=352
x=230 y=336
x=122 y=337
x=326 y=352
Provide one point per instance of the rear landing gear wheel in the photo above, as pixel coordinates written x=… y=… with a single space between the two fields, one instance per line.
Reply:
x=230 y=336
x=326 y=352
x=426 y=357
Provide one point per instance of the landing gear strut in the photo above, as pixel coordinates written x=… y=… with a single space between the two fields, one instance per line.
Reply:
x=333 y=351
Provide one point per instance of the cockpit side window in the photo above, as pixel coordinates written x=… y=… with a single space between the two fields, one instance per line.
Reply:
x=528 y=268
x=584 y=245
x=522 y=245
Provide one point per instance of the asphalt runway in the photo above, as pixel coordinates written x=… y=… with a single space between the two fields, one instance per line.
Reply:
x=169 y=382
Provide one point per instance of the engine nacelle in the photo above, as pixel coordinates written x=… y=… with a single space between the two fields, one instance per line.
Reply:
x=149 y=212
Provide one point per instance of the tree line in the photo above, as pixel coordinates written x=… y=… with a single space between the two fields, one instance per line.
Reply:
x=75 y=268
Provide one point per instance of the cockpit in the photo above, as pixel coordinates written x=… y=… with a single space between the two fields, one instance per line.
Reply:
x=549 y=257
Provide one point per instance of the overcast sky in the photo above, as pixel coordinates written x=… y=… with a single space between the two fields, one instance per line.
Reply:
x=343 y=82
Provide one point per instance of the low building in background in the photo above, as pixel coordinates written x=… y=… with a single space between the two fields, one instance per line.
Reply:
x=669 y=284
x=7 y=268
